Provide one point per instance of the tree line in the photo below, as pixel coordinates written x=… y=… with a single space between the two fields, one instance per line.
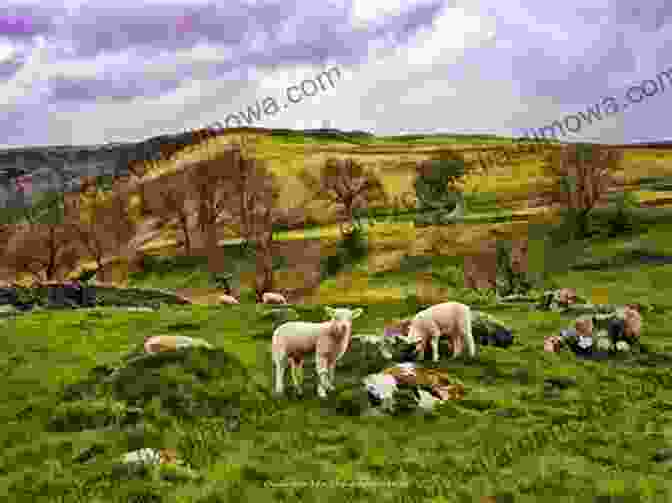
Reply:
x=232 y=189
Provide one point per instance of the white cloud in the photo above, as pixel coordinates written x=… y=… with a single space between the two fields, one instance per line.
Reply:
x=365 y=12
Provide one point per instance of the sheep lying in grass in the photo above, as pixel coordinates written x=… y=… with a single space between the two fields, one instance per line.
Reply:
x=228 y=299
x=329 y=340
x=273 y=298
x=449 y=318
x=163 y=343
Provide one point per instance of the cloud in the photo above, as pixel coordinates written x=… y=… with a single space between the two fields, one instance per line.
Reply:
x=496 y=66
x=22 y=22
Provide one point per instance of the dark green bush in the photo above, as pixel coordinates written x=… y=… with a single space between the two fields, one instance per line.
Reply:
x=352 y=248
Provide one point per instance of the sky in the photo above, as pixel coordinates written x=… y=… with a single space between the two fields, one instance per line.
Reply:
x=76 y=72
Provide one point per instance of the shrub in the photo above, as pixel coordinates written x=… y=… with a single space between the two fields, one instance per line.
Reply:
x=622 y=223
x=436 y=183
x=352 y=248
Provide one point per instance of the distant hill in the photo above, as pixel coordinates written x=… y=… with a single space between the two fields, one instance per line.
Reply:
x=60 y=167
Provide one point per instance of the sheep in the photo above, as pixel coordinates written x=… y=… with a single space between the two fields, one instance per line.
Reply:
x=162 y=343
x=273 y=298
x=450 y=318
x=228 y=299
x=567 y=296
x=329 y=340
x=632 y=321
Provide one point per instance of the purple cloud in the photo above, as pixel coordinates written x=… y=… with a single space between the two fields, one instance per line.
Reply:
x=320 y=35
x=116 y=89
x=26 y=21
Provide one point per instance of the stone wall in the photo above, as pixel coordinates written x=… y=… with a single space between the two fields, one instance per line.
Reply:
x=55 y=294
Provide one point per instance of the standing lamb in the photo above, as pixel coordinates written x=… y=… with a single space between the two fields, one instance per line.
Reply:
x=329 y=340
x=449 y=318
x=273 y=298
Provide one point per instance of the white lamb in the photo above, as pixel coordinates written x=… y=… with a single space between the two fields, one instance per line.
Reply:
x=228 y=299
x=293 y=340
x=449 y=318
x=273 y=298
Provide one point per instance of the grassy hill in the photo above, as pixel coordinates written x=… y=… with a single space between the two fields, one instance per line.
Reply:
x=495 y=198
x=514 y=433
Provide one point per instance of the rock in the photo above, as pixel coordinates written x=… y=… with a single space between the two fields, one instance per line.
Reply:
x=552 y=392
x=8 y=310
x=505 y=412
x=488 y=379
x=560 y=382
x=8 y=295
x=663 y=455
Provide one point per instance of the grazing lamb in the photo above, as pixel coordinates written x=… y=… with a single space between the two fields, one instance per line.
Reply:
x=449 y=318
x=228 y=299
x=329 y=340
x=273 y=298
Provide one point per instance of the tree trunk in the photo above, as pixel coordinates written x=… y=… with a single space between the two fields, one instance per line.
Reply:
x=53 y=251
x=185 y=232
x=100 y=271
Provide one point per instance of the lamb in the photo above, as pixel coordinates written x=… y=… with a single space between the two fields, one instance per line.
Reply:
x=633 y=321
x=163 y=343
x=228 y=299
x=273 y=298
x=329 y=340
x=449 y=318
x=567 y=296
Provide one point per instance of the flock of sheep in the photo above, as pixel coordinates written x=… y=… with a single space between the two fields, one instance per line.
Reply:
x=329 y=340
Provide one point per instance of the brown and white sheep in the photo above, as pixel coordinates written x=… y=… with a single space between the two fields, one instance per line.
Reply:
x=228 y=299
x=451 y=319
x=293 y=340
x=273 y=298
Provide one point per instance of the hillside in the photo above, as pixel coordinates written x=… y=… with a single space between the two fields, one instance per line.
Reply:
x=79 y=394
x=504 y=173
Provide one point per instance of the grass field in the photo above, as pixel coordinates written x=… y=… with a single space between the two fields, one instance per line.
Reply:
x=512 y=434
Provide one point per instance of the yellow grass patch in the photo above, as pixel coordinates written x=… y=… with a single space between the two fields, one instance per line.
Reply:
x=600 y=295
x=650 y=195
x=356 y=296
x=383 y=261
x=636 y=169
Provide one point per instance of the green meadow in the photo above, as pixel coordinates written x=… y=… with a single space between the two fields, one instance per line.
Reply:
x=532 y=426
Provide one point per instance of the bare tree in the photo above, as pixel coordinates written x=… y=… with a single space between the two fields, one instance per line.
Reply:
x=262 y=218
x=582 y=174
x=40 y=249
x=345 y=184
x=245 y=178
x=173 y=204
x=212 y=188
x=251 y=197
x=104 y=224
